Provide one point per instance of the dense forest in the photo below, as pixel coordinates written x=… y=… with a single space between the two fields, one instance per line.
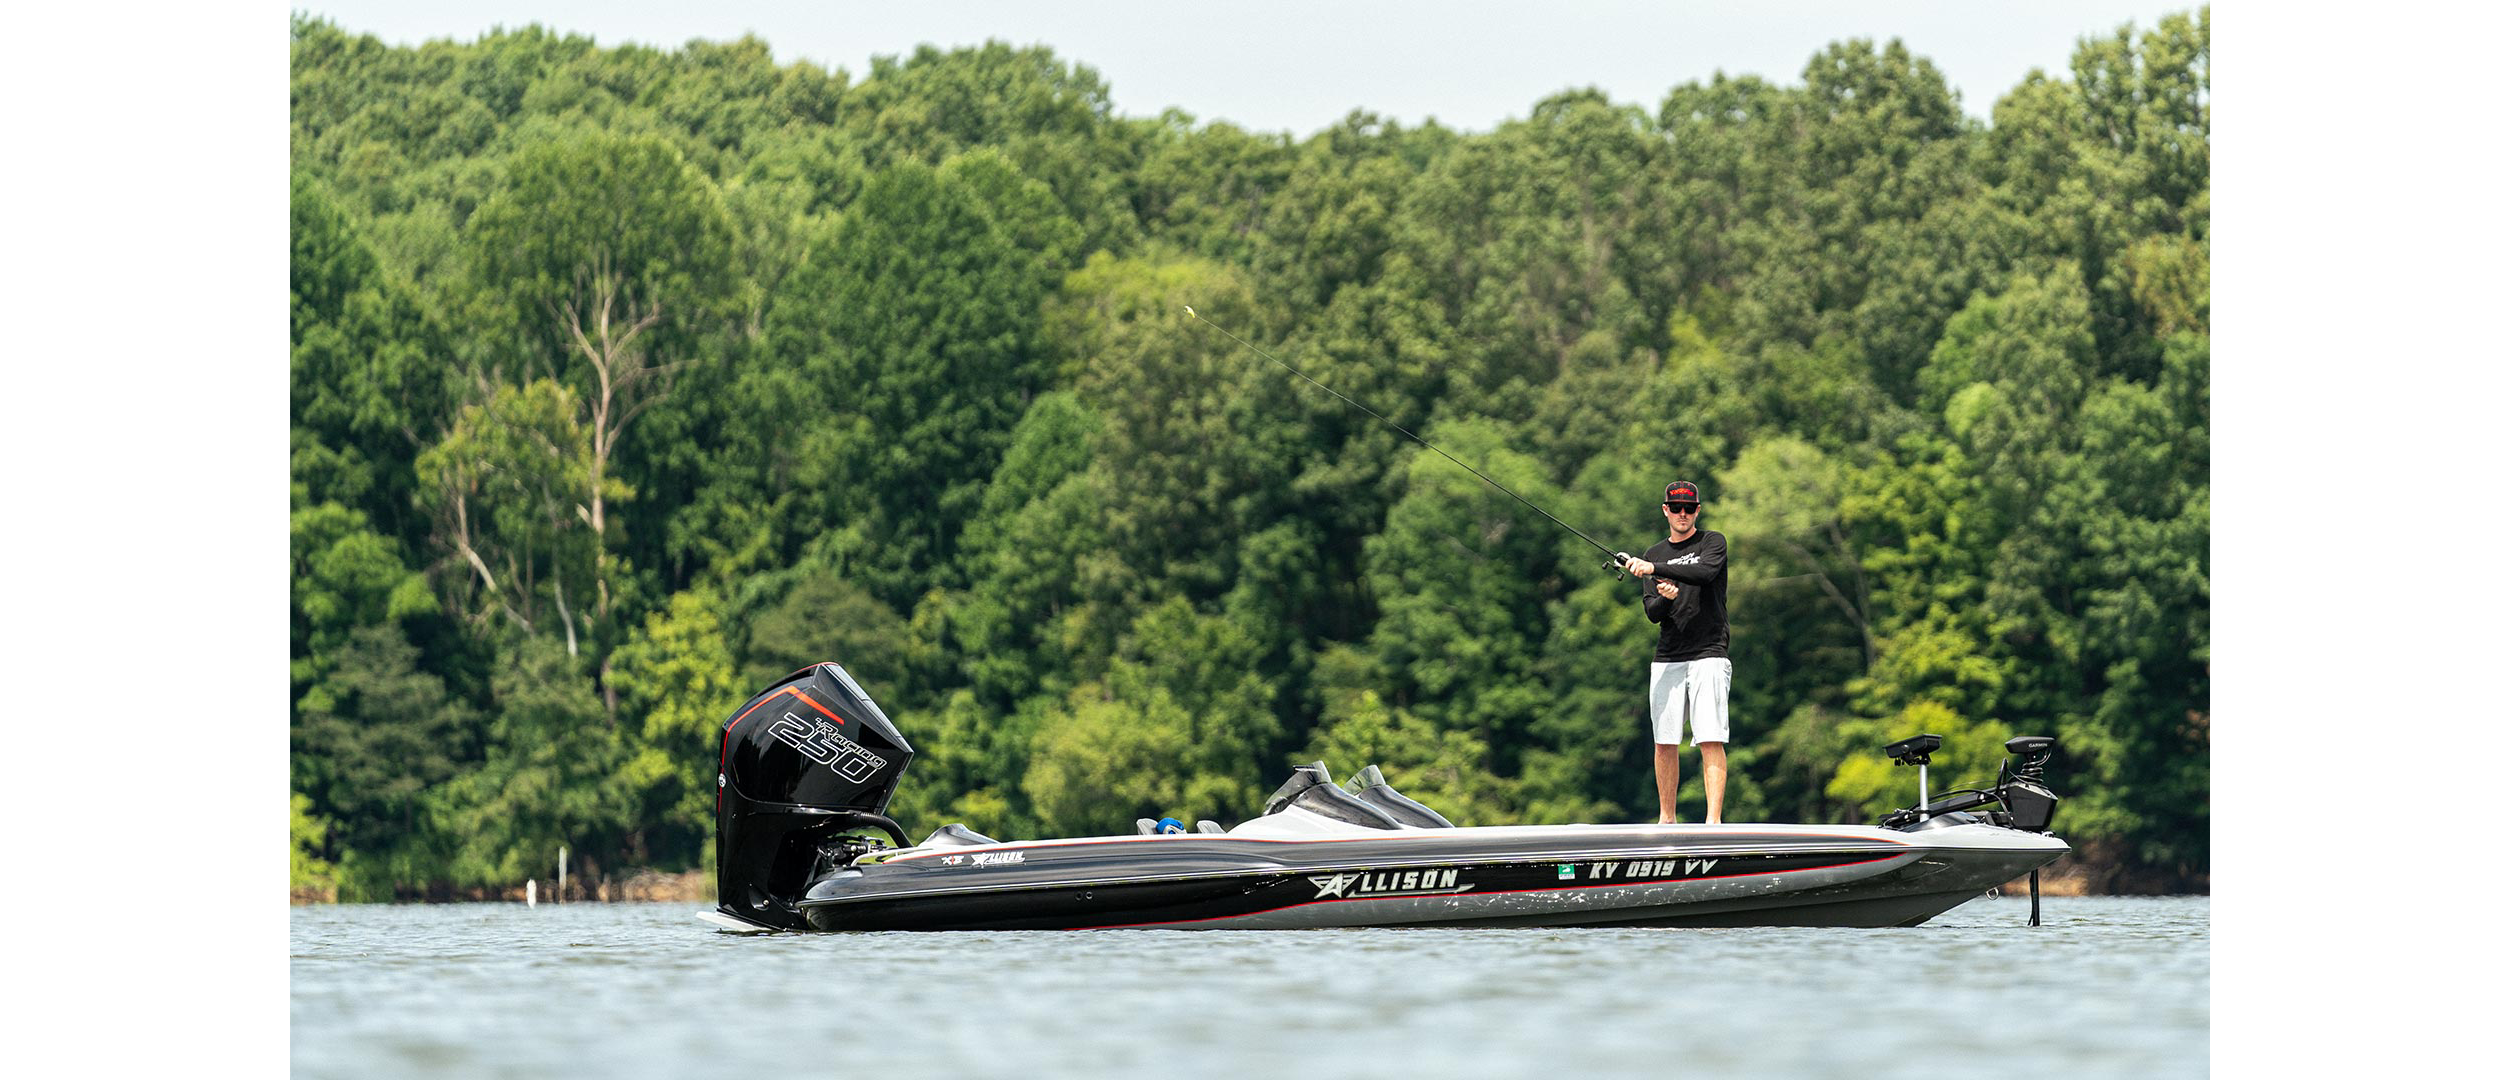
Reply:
x=626 y=380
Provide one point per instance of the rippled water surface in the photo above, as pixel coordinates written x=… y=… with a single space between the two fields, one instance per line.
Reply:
x=2109 y=986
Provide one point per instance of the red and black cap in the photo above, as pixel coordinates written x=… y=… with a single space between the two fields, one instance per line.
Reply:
x=1683 y=491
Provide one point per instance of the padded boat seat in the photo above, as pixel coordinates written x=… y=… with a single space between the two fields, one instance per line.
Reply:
x=955 y=836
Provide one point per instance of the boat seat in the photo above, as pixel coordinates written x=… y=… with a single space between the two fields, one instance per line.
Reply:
x=1309 y=788
x=1209 y=827
x=955 y=835
x=1370 y=787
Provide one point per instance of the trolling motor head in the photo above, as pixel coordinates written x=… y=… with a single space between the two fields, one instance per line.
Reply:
x=807 y=760
x=1913 y=750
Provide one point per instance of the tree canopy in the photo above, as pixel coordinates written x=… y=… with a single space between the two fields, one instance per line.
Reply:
x=624 y=380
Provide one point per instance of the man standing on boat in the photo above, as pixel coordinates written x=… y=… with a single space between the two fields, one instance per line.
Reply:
x=1684 y=591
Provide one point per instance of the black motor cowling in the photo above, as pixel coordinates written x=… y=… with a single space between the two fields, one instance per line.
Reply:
x=807 y=760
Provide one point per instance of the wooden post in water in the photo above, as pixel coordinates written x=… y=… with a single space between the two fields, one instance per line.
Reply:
x=561 y=852
x=533 y=895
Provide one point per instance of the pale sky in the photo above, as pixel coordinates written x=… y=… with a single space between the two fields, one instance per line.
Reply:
x=1300 y=65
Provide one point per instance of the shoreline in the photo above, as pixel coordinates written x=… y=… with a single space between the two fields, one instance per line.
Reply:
x=637 y=887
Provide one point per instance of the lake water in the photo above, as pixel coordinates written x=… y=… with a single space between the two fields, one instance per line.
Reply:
x=2108 y=986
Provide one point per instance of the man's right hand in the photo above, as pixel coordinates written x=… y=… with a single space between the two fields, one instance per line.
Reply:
x=1641 y=568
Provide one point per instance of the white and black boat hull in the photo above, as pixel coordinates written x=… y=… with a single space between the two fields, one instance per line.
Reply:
x=1728 y=875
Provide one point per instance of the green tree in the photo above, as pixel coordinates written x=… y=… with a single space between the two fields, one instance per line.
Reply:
x=365 y=380
x=918 y=331
x=308 y=874
x=555 y=775
x=1789 y=501
x=606 y=253
x=1050 y=118
x=508 y=488
x=1177 y=726
x=679 y=684
x=373 y=737
x=1461 y=574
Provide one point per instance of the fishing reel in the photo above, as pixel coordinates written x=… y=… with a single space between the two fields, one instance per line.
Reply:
x=1622 y=564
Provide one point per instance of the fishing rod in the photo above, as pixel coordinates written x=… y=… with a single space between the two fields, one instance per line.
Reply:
x=1618 y=559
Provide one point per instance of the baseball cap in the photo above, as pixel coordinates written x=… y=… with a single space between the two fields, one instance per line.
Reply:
x=1683 y=491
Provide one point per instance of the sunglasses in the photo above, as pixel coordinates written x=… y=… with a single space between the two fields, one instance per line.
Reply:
x=1683 y=508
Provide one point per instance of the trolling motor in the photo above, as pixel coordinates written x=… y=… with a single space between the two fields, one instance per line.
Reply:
x=803 y=766
x=2021 y=791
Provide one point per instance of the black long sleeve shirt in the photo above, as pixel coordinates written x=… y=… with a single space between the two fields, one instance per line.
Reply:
x=1694 y=624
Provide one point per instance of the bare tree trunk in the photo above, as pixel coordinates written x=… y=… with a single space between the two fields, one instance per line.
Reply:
x=620 y=366
x=460 y=539
x=572 y=645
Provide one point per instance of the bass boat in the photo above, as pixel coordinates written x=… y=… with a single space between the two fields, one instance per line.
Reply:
x=807 y=768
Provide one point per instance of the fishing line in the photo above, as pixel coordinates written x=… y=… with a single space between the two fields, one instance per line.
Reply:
x=1617 y=559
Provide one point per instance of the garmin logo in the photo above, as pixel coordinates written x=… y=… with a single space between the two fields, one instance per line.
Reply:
x=817 y=738
x=1389 y=883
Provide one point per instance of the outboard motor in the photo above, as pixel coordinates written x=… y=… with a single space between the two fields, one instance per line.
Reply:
x=802 y=763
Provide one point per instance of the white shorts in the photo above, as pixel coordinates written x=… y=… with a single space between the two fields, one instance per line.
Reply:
x=1691 y=690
